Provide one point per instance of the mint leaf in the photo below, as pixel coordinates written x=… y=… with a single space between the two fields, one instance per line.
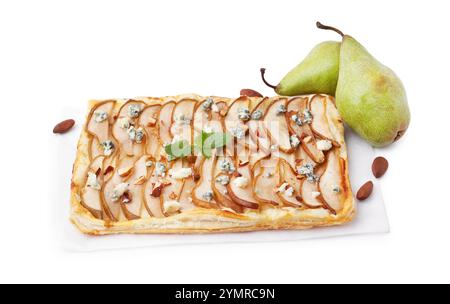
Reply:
x=206 y=142
x=178 y=149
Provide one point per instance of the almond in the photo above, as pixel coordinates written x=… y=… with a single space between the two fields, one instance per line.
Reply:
x=250 y=93
x=63 y=126
x=243 y=163
x=98 y=172
x=197 y=177
x=125 y=172
x=365 y=191
x=157 y=190
x=126 y=198
x=379 y=166
x=151 y=123
x=108 y=170
x=140 y=180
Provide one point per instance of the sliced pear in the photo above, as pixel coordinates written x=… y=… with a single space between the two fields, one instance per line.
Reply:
x=91 y=196
x=288 y=176
x=121 y=125
x=100 y=129
x=332 y=183
x=237 y=127
x=148 y=120
x=203 y=194
x=243 y=195
x=186 y=195
x=266 y=178
x=182 y=120
x=220 y=188
x=94 y=148
x=152 y=204
x=112 y=207
x=139 y=176
x=320 y=124
x=175 y=186
x=296 y=106
x=259 y=140
x=165 y=123
x=276 y=124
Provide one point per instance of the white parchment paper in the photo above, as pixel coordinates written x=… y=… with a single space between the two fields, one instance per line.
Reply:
x=371 y=215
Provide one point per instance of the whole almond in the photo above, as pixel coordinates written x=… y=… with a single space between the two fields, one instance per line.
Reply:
x=250 y=93
x=63 y=126
x=379 y=166
x=365 y=191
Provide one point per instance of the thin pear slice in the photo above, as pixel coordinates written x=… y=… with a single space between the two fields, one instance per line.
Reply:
x=175 y=186
x=152 y=205
x=332 y=182
x=100 y=129
x=148 y=120
x=258 y=135
x=238 y=128
x=265 y=181
x=94 y=148
x=277 y=126
x=132 y=210
x=165 y=123
x=186 y=195
x=91 y=197
x=320 y=124
x=297 y=106
x=220 y=190
x=112 y=208
x=204 y=186
x=182 y=120
x=243 y=195
x=288 y=175
x=121 y=134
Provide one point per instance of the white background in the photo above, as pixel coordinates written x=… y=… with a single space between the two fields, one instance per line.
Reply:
x=55 y=54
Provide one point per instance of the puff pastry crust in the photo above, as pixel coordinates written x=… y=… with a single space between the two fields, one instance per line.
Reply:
x=105 y=148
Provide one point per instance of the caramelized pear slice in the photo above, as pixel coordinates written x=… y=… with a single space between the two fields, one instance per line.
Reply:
x=320 y=124
x=331 y=183
x=243 y=194
x=100 y=129
x=186 y=194
x=267 y=177
x=259 y=140
x=152 y=204
x=173 y=190
x=290 y=197
x=276 y=124
x=94 y=148
x=122 y=124
x=296 y=106
x=148 y=120
x=203 y=195
x=112 y=207
x=133 y=209
x=182 y=120
x=165 y=123
x=91 y=196
x=220 y=187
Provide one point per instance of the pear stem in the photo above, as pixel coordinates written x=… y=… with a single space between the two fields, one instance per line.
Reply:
x=330 y=28
x=263 y=72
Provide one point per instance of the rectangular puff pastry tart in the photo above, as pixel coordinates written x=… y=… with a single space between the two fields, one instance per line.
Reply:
x=192 y=164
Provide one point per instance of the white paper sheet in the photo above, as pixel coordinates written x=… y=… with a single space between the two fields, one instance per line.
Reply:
x=371 y=215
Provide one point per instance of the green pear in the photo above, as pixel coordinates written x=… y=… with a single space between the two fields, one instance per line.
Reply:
x=369 y=96
x=317 y=73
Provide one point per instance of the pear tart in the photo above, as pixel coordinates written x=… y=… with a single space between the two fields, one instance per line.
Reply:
x=283 y=165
